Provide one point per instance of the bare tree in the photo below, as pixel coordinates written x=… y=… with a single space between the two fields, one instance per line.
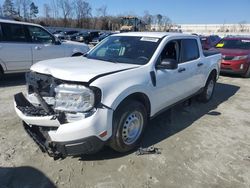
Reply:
x=159 y=21
x=102 y=22
x=147 y=19
x=102 y=11
x=66 y=8
x=83 y=12
x=18 y=8
x=54 y=8
x=47 y=10
x=166 y=23
x=25 y=8
x=242 y=26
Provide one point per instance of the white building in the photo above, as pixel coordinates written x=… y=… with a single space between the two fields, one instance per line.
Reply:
x=208 y=29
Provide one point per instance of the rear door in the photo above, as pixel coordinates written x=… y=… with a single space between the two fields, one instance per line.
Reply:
x=190 y=61
x=43 y=44
x=15 y=47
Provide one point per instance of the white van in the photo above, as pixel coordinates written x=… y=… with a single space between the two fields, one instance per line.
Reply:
x=23 y=44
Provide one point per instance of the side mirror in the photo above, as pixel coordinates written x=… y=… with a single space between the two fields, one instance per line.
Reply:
x=168 y=64
x=57 y=41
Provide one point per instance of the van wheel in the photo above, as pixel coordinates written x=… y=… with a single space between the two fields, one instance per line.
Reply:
x=247 y=74
x=77 y=54
x=208 y=91
x=129 y=122
x=1 y=74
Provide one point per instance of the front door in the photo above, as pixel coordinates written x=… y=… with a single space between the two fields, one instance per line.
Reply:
x=175 y=85
x=44 y=46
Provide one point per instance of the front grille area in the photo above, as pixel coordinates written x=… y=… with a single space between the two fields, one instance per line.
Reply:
x=228 y=57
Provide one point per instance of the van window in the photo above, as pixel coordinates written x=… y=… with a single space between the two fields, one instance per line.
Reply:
x=13 y=33
x=189 y=50
x=39 y=35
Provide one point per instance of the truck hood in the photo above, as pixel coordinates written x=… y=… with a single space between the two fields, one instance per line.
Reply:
x=79 y=69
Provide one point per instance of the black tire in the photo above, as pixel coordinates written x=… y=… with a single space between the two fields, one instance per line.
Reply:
x=207 y=93
x=247 y=74
x=86 y=41
x=1 y=73
x=134 y=110
x=77 y=54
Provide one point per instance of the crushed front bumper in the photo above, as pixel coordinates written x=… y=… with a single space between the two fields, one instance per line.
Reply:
x=59 y=138
x=62 y=149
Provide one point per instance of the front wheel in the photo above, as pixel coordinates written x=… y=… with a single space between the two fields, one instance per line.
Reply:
x=208 y=91
x=129 y=122
x=247 y=74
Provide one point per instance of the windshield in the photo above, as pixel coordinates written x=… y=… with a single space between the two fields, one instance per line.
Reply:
x=128 y=21
x=125 y=49
x=243 y=44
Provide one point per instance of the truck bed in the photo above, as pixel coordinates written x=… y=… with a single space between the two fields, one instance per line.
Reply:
x=210 y=52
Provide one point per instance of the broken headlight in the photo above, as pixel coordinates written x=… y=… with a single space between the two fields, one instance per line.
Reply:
x=74 y=98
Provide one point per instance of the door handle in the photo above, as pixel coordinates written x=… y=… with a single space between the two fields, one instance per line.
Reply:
x=1 y=47
x=38 y=48
x=181 y=69
x=199 y=64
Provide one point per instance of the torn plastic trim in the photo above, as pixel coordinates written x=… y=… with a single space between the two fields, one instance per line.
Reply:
x=29 y=110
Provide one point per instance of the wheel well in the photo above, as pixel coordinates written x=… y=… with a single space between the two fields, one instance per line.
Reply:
x=214 y=73
x=77 y=54
x=141 y=97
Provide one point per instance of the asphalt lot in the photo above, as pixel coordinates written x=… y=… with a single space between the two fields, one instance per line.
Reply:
x=202 y=145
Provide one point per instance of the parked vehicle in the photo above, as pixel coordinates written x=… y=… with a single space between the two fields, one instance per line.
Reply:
x=100 y=38
x=75 y=105
x=70 y=34
x=74 y=36
x=235 y=55
x=131 y=23
x=87 y=37
x=23 y=44
x=60 y=35
x=208 y=42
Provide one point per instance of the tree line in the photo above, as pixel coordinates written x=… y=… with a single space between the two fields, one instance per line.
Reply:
x=74 y=13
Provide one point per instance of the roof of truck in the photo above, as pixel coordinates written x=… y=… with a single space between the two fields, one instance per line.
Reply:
x=152 y=34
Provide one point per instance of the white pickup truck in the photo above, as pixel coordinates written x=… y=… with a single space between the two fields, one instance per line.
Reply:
x=76 y=105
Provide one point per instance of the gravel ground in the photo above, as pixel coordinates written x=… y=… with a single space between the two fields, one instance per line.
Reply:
x=202 y=145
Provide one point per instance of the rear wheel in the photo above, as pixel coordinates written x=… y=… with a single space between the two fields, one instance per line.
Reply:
x=129 y=122
x=208 y=91
x=77 y=54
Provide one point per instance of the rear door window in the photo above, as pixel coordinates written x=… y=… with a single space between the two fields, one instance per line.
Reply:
x=189 y=50
x=13 y=33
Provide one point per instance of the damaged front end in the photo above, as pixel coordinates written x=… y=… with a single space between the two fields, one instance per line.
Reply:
x=52 y=103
